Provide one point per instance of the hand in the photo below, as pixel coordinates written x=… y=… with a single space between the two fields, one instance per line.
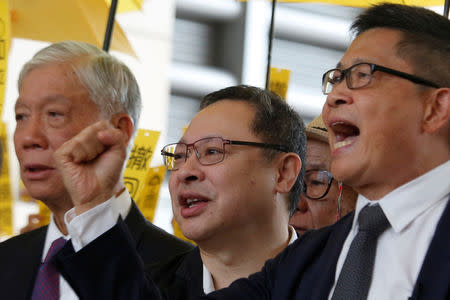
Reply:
x=91 y=164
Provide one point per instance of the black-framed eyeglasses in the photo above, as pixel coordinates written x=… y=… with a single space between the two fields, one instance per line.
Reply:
x=317 y=184
x=209 y=151
x=359 y=75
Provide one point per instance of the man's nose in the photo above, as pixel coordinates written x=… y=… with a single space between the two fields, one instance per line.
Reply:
x=32 y=134
x=340 y=94
x=302 y=205
x=191 y=170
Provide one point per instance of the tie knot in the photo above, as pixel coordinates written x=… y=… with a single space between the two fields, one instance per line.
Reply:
x=373 y=220
x=54 y=248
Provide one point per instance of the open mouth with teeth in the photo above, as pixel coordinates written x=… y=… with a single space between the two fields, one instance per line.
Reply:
x=345 y=134
x=192 y=206
x=193 y=202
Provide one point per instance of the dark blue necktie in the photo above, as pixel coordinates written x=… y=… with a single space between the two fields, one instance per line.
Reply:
x=46 y=286
x=356 y=274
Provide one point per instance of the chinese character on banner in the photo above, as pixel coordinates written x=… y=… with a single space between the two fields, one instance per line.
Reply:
x=6 y=228
x=279 y=81
x=139 y=159
x=147 y=199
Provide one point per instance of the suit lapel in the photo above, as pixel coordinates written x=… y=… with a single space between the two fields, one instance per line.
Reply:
x=433 y=281
x=135 y=222
x=28 y=253
x=189 y=275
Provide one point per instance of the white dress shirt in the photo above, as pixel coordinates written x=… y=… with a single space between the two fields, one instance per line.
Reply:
x=413 y=210
x=208 y=284
x=84 y=234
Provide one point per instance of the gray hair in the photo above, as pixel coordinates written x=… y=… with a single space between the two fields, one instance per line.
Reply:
x=109 y=82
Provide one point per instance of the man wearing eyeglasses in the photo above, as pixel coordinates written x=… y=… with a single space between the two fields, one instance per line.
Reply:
x=236 y=177
x=324 y=199
x=233 y=186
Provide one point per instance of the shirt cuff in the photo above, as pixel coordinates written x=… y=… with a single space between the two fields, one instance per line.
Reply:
x=86 y=227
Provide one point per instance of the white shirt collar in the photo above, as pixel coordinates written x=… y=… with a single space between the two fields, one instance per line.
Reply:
x=53 y=233
x=208 y=284
x=405 y=203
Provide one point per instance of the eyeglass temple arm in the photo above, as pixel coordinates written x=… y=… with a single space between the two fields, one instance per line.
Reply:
x=167 y=153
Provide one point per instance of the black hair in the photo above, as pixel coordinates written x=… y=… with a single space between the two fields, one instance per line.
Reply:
x=275 y=122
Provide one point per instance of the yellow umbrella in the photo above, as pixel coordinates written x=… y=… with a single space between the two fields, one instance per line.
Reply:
x=58 y=20
x=366 y=3
x=127 y=5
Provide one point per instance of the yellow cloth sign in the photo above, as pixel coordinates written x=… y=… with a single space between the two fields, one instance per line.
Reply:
x=367 y=3
x=5 y=28
x=147 y=199
x=138 y=164
x=6 y=228
x=279 y=81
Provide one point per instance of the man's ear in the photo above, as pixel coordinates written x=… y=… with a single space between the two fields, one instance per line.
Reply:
x=437 y=110
x=123 y=122
x=289 y=167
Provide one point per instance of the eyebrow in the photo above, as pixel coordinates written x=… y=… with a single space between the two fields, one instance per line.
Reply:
x=316 y=167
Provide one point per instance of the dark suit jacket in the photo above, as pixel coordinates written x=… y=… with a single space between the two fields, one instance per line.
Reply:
x=180 y=278
x=304 y=270
x=20 y=256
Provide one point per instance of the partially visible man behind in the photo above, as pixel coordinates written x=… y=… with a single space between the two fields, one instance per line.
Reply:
x=64 y=89
x=324 y=200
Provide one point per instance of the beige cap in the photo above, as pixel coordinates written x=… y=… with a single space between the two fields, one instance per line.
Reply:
x=317 y=130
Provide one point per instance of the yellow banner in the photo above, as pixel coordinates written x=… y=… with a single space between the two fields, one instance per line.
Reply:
x=279 y=81
x=147 y=199
x=367 y=3
x=138 y=164
x=6 y=228
x=5 y=27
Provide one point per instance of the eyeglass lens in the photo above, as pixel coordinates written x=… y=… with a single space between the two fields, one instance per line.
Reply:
x=208 y=151
x=317 y=183
x=357 y=76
